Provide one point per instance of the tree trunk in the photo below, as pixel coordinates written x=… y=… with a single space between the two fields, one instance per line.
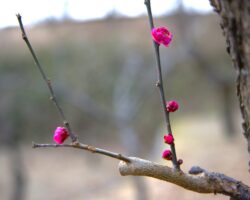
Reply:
x=235 y=22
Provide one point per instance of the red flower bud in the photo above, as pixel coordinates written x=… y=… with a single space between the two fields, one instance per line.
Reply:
x=167 y=155
x=169 y=139
x=60 y=135
x=172 y=106
x=162 y=35
x=180 y=161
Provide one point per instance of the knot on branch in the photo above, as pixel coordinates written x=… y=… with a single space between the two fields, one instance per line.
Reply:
x=91 y=148
x=196 y=170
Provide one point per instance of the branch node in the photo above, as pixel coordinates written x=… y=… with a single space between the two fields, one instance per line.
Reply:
x=34 y=145
x=52 y=98
x=195 y=170
x=91 y=148
x=76 y=143
x=18 y=16
x=24 y=36
x=49 y=81
x=66 y=123
x=158 y=84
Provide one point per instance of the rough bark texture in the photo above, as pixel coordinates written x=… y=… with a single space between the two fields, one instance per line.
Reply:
x=198 y=179
x=235 y=22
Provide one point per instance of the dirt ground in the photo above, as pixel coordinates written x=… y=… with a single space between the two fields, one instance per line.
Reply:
x=62 y=174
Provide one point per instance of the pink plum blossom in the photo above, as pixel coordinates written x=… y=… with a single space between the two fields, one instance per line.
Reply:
x=60 y=135
x=162 y=35
x=167 y=155
x=172 y=106
x=169 y=139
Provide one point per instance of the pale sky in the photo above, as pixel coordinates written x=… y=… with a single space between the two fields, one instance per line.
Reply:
x=37 y=10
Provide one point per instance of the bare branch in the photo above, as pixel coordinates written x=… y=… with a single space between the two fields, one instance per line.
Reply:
x=198 y=180
x=86 y=147
x=203 y=182
x=48 y=82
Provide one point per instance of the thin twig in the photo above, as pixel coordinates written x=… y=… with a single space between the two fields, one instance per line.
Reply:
x=75 y=143
x=86 y=147
x=159 y=84
x=48 y=82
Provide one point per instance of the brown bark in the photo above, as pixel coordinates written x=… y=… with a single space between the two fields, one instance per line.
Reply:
x=198 y=179
x=235 y=22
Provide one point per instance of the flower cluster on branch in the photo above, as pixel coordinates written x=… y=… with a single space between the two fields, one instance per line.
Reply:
x=197 y=179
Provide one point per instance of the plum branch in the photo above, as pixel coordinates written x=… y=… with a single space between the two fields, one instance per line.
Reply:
x=159 y=84
x=75 y=143
x=197 y=180
x=46 y=79
x=92 y=149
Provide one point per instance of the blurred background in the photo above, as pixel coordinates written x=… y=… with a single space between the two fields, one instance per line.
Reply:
x=99 y=56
